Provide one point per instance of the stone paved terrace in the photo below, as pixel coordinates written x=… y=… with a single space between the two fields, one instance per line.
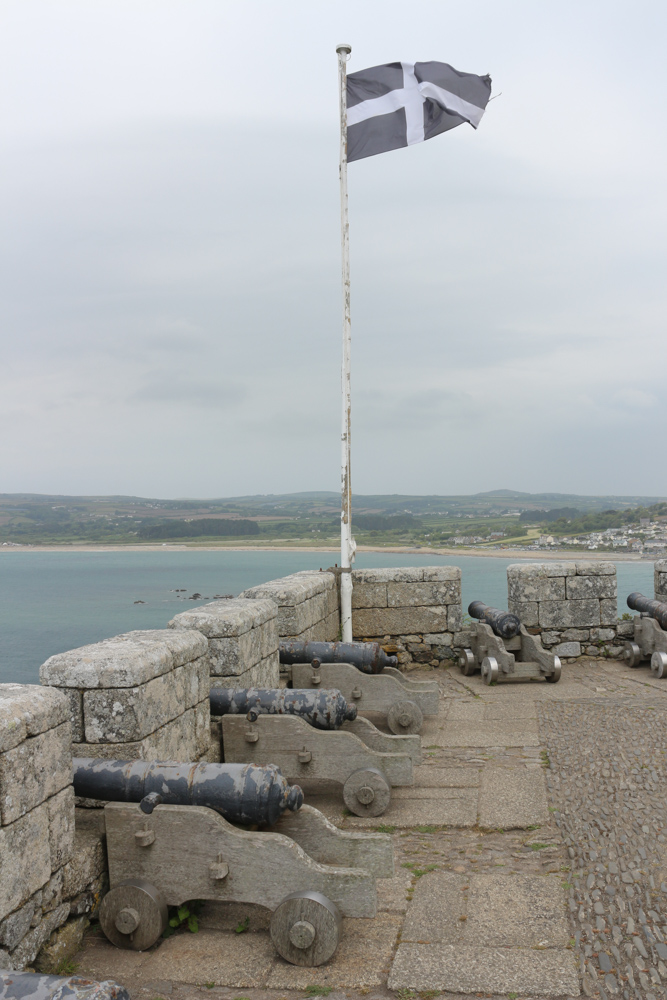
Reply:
x=531 y=862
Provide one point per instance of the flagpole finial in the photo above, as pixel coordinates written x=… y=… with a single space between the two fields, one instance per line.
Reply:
x=344 y=48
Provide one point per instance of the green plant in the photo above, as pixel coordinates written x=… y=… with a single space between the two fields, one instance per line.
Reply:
x=384 y=828
x=209 y=986
x=185 y=915
x=625 y=617
x=318 y=991
x=512 y=996
x=427 y=829
x=534 y=826
x=242 y=926
x=406 y=994
x=428 y=994
x=538 y=846
x=67 y=967
x=416 y=870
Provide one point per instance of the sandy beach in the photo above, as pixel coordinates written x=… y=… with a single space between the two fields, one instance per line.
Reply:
x=557 y=554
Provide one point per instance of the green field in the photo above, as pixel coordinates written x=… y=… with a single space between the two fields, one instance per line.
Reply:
x=313 y=518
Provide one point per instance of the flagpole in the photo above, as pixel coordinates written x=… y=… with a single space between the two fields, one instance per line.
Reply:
x=347 y=543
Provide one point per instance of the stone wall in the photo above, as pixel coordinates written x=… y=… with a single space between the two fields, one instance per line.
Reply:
x=571 y=605
x=308 y=606
x=36 y=818
x=415 y=612
x=242 y=640
x=660 y=580
x=142 y=695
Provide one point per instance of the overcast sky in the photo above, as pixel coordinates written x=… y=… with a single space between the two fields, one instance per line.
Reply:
x=170 y=251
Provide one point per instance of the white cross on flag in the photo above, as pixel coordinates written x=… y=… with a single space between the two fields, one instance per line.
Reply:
x=402 y=103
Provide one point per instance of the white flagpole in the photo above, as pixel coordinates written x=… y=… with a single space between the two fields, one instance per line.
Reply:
x=347 y=544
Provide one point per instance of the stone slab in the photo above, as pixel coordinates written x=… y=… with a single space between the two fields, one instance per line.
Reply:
x=363 y=955
x=228 y=618
x=591 y=567
x=541 y=569
x=464 y=969
x=432 y=776
x=125 y=660
x=228 y=657
x=407 y=574
x=392 y=892
x=369 y=595
x=124 y=715
x=294 y=589
x=33 y=771
x=26 y=859
x=515 y=911
x=512 y=798
x=28 y=710
x=525 y=589
x=399 y=621
x=520 y=733
x=423 y=807
x=436 y=909
x=570 y=614
x=210 y=956
x=421 y=595
x=582 y=588
x=180 y=739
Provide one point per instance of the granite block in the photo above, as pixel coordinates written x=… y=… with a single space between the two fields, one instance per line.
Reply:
x=28 y=710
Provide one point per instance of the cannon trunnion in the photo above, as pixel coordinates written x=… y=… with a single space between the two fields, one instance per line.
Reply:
x=301 y=867
x=520 y=657
x=650 y=639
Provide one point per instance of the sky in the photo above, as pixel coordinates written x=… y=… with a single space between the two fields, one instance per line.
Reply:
x=170 y=317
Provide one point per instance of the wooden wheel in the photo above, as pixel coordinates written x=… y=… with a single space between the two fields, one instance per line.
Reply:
x=467 y=662
x=659 y=664
x=632 y=654
x=490 y=670
x=305 y=928
x=366 y=792
x=554 y=677
x=133 y=914
x=405 y=717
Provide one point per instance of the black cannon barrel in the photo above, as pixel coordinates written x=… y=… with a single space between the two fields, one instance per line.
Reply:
x=369 y=657
x=242 y=793
x=326 y=709
x=503 y=623
x=654 y=609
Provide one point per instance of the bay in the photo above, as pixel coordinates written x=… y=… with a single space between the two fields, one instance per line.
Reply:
x=54 y=601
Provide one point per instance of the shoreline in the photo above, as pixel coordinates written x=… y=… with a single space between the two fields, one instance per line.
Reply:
x=559 y=555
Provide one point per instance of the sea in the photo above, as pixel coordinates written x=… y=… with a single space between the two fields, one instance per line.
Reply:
x=54 y=601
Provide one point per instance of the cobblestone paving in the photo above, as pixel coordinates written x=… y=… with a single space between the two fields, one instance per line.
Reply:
x=607 y=782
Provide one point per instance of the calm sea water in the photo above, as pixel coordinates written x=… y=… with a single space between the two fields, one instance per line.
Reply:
x=53 y=601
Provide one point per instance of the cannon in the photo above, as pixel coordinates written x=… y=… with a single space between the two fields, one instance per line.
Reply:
x=369 y=657
x=365 y=761
x=650 y=635
x=502 y=623
x=326 y=709
x=161 y=854
x=35 y=986
x=515 y=656
x=403 y=702
x=240 y=793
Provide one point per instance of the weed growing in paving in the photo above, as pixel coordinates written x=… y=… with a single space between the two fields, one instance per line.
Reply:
x=538 y=846
x=416 y=871
x=384 y=828
x=426 y=829
x=67 y=967
x=318 y=991
x=243 y=926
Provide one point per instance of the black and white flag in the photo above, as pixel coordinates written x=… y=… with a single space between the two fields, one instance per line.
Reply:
x=402 y=103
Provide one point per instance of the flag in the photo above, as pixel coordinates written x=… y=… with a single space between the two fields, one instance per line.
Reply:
x=402 y=103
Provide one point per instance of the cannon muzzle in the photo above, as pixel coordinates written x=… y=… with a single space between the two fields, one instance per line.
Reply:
x=369 y=657
x=242 y=793
x=654 y=609
x=503 y=623
x=321 y=709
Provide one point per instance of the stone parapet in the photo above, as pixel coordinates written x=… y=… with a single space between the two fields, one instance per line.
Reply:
x=242 y=637
x=36 y=818
x=308 y=605
x=139 y=695
x=572 y=605
x=413 y=611
x=660 y=580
